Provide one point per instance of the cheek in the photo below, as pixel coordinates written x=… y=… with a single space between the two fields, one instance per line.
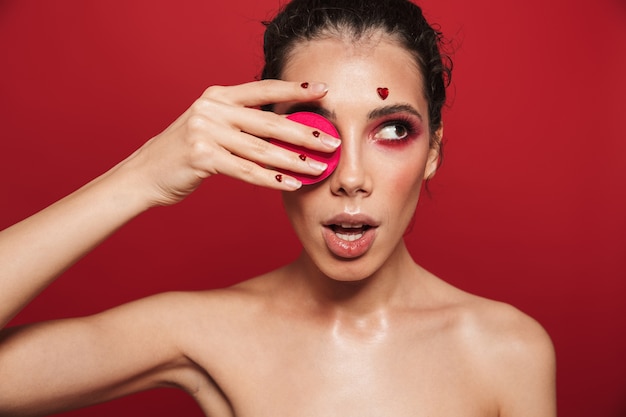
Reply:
x=406 y=184
x=404 y=171
x=403 y=183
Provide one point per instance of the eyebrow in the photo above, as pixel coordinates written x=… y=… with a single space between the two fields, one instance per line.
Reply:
x=394 y=109
x=372 y=115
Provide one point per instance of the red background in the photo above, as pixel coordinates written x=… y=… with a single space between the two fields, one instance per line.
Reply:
x=529 y=206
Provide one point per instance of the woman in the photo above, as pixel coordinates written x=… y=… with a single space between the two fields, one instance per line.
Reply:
x=352 y=327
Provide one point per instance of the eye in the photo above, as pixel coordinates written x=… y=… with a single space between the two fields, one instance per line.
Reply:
x=393 y=131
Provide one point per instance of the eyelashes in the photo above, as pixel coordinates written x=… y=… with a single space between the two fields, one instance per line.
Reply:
x=397 y=131
x=396 y=128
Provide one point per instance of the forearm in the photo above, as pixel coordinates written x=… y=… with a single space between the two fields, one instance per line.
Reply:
x=219 y=133
x=36 y=250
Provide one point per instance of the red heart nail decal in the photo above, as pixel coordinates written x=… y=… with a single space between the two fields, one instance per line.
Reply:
x=383 y=92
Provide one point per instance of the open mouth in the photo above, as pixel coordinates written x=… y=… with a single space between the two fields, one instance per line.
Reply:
x=349 y=232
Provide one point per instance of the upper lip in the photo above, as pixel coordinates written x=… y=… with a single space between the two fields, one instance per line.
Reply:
x=351 y=220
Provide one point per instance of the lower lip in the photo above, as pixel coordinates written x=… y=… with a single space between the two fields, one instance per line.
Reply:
x=349 y=249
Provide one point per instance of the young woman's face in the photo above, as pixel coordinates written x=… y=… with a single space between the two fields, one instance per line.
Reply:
x=352 y=223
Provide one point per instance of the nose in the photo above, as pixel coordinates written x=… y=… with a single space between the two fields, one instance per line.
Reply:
x=351 y=177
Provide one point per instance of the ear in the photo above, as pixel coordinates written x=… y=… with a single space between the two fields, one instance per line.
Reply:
x=434 y=154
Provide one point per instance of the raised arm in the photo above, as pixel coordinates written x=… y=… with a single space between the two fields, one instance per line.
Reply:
x=218 y=134
x=221 y=133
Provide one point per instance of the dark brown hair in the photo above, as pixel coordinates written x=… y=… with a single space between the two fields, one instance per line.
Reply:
x=304 y=20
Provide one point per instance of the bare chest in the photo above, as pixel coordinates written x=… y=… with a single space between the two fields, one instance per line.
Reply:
x=298 y=375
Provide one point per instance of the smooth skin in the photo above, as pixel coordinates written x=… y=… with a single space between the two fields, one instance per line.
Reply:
x=331 y=334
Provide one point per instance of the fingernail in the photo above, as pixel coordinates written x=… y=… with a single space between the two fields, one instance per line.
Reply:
x=317 y=165
x=318 y=88
x=330 y=141
x=292 y=183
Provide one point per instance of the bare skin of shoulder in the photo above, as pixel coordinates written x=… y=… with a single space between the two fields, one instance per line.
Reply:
x=431 y=349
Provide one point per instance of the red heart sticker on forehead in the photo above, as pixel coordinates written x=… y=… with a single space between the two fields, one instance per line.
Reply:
x=321 y=123
x=383 y=92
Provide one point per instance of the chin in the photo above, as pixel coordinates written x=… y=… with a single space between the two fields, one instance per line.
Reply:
x=355 y=270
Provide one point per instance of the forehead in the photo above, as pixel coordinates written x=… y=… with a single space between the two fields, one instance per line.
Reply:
x=329 y=45
x=355 y=68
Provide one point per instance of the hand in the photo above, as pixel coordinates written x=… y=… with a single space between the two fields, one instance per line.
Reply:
x=223 y=132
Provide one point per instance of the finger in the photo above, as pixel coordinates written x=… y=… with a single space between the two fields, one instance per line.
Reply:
x=260 y=93
x=247 y=157
x=253 y=173
x=268 y=154
x=269 y=125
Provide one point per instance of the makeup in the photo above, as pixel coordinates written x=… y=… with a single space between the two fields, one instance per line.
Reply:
x=383 y=92
x=320 y=123
x=398 y=131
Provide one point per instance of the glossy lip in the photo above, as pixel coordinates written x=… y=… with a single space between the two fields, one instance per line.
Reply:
x=349 y=249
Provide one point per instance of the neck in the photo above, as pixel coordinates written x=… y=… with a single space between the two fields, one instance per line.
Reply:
x=393 y=284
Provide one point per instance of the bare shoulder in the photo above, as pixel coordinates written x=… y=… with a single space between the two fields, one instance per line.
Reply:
x=502 y=328
x=232 y=297
x=486 y=325
x=514 y=352
x=214 y=309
